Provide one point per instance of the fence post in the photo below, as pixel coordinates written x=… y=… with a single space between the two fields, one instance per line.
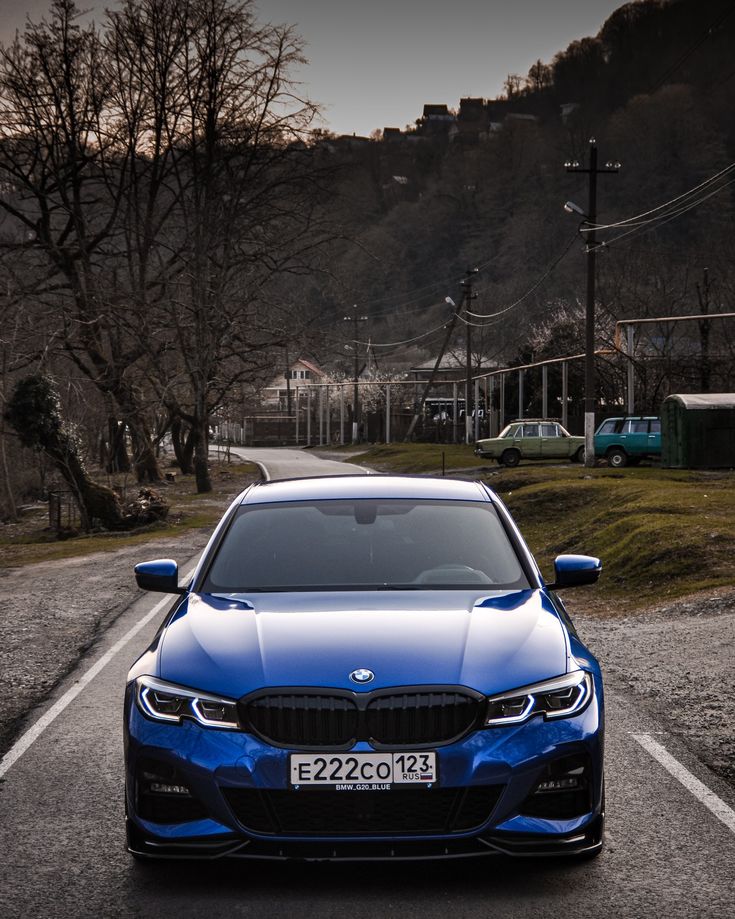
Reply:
x=308 y=416
x=341 y=414
x=476 y=402
x=520 y=394
x=544 y=391
x=501 y=407
x=631 y=371
x=387 y=413
x=455 y=410
x=329 y=416
x=320 y=409
x=297 y=416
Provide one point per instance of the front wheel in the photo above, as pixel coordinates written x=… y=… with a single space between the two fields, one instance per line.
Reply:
x=617 y=458
x=510 y=458
x=578 y=457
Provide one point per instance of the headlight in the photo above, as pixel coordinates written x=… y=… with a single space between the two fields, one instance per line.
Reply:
x=557 y=698
x=169 y=702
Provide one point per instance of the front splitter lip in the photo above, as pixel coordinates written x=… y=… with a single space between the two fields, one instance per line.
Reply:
x=587 y=841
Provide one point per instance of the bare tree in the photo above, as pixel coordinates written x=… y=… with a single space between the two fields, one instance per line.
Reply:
x=62 y=178
x=242 y=208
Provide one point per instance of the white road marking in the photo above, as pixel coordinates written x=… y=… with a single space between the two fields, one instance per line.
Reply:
x=715 y=805
x=38 y=727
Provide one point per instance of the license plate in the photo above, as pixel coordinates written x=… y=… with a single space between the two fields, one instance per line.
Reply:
x=361 y=771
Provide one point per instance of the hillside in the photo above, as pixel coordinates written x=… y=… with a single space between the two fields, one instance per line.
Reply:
x=484 y=186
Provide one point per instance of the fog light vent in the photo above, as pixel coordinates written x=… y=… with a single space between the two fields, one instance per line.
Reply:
x=563 y=791
x=162 y=797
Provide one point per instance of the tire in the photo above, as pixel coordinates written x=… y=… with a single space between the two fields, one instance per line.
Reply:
x=617 y=458
x=578 y=457
x=510 y=458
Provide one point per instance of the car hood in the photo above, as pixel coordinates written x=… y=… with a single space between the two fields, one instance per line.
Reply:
x=489 y=642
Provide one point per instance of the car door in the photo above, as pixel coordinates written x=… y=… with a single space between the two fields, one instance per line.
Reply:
x=553 y=445
x=606 y=436
x=530 y=443
x=654 y=436
x=636 y=441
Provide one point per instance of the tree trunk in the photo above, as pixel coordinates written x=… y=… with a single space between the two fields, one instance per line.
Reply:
x=144 y=454
x=12 y=511
x=117 y=453
x=200 y=430
x=183 y=446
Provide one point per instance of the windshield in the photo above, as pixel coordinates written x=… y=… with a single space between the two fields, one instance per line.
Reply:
x=364 y=544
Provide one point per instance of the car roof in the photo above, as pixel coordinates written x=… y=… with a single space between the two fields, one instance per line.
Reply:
x=631 y=418
x=350 y=487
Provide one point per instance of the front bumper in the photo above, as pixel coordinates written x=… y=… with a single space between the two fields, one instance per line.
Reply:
x=501 y=767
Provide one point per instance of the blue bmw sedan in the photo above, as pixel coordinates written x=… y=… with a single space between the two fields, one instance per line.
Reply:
x=365 y=667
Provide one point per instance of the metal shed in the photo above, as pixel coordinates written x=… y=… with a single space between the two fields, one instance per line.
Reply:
x=698 y=431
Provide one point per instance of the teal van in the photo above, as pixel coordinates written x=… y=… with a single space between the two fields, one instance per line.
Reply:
x=626 y=441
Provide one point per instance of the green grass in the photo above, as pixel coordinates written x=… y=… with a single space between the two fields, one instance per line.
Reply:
x=417 y=458
x=661 y=533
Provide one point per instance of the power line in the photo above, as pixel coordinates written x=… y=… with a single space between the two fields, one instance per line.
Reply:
x=453 y=279
x=407 y=341
x=639 y=229
x=630 y=221
x=715 y=24
x=525 y=296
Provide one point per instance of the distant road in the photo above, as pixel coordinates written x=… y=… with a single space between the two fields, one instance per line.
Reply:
x=292 y=463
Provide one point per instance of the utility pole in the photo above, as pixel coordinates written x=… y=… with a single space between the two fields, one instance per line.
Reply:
x=591 y=245
x=437 y=364
x=356 y=320
x=468 y=298
x=703 y=295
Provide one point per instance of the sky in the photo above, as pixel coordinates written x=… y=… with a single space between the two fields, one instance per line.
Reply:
x=374 y=63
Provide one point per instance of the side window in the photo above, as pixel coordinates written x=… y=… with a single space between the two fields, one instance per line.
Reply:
x=549 y=430
x=627 y=428
x=608 y=427
x=639 y=427
x=530 y=430
x=655 y=426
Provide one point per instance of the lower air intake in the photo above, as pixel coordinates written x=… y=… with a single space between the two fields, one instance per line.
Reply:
x=403 y=812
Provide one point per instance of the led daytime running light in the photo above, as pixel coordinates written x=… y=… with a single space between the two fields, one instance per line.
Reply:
x=147 y=688
x=532 y=698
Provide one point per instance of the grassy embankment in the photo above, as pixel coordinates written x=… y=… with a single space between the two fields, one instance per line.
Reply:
x=30 y=540
x=661 y=533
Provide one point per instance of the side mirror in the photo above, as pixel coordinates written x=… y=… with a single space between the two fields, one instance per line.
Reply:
x=161 y=575
x=575 y=570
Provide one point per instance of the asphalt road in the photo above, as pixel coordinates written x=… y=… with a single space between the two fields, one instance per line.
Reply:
x=62 y=842
x=285 y=463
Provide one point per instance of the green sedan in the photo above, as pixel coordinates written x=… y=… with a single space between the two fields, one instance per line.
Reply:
x=532 y=439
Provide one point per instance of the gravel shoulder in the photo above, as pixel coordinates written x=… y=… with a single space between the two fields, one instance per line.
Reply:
x=676 y=661
x=51 y=613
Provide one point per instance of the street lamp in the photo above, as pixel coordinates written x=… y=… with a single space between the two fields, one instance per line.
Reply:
x=571 y=208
